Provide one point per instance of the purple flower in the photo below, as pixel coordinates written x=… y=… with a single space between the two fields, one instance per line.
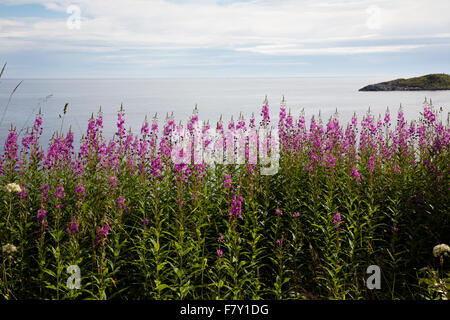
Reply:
x=236 y=207
x=278 y=242
x=337 y=219
x=113 y=181
x=227 y=182
x=59 y=193
x=44 y=192
x=371 y=163
x=42 y=217
x=265 y=114
x=120 y=125
x=23 y=193
x=80 y=192
x=220 y=253
x=331 y=160
x=11 y=146
x=297 y=214
x=102 y=234
x=356 y=174
x=73 y=227
x=145 y=222
x=279 y=212
x=121 y=203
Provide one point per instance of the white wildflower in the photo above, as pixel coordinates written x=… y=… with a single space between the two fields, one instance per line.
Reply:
x=13 y=187
x=441 y=249
x=9 y=249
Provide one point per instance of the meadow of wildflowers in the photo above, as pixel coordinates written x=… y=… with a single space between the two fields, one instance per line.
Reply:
x=374 y=191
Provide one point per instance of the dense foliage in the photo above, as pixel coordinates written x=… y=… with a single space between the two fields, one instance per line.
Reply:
x=139 y=226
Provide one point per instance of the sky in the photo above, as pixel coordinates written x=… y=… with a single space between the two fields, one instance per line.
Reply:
x=223 y=38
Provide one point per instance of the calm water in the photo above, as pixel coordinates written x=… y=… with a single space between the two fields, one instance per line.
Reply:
x=213 y=96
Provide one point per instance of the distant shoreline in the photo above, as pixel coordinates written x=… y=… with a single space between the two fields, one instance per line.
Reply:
x=430 y=82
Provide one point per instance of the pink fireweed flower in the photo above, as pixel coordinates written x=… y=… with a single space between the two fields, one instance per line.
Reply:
x=227 y=182
x=220 y=253
x=236 y=207
x=429 y=114
x=387 y=118
x=337 y=220
x=297 y=214
x=356 y=174
x=278 y=212
x=394 y=228
x=354 y=121
x=371 y=163
x=23 y=193
x=80 y=193
x=145 y=129
x=11 y=146
x=59 y=192
x=397 y=169
x=278 y=243
x=220 y=239
x=331 y=160
x=102 y=234
x=120 y=125
x=73 y=227
x=265 y=114
x=113 y=182
x=44 y=192
x=145 y=222
x=42 y=218
x=121 y=203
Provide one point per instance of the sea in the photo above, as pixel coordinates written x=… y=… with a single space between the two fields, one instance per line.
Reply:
x=214 y=97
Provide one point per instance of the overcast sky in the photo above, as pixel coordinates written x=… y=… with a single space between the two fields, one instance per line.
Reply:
x=223 y=38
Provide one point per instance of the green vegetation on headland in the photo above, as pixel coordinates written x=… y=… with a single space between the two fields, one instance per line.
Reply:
x=437 y=81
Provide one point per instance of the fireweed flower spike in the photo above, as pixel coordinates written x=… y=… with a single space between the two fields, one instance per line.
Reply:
x=265 y=114
x=23 y=194
x=80 y=192
x=356 y=174
x=73 y=227
x=236 y=207
x=102 y=234
x=121 y=203
x=42 y=218
x=11 y=147
x=337 y=220
x=227 y=182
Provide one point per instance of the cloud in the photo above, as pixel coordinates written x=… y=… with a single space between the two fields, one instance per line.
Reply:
x=293 y=50
x=152 y=30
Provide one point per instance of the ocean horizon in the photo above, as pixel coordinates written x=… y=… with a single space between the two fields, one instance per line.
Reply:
x=214 y=97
